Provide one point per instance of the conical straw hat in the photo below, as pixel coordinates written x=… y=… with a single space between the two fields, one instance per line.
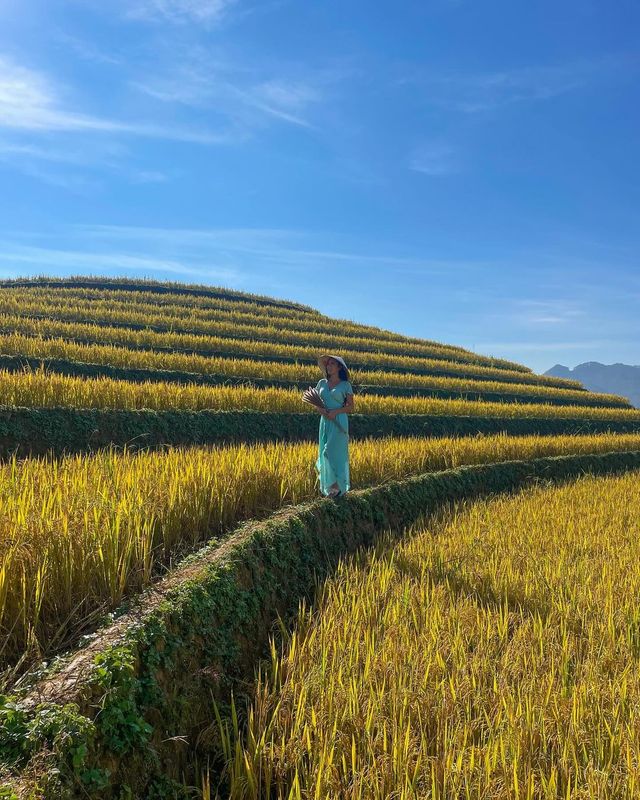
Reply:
x=322 y=361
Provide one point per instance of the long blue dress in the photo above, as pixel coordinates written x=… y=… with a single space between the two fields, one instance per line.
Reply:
x=333 y=444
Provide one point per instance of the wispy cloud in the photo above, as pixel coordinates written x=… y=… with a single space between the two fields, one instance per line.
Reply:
x=239 y=93
x=547 y=347
x=179 y=11
x=83 y=48
x=477 y=92
x=149 y=176
x=482 y=92
x=286 y=100
x=74 y=183
x=232 y=251
x=55 y=166
x=555 y=312
x=72 y=154
x=90 y=262
x=76 y=167
x=262 y=248
x=30 y=102
x=435 y=158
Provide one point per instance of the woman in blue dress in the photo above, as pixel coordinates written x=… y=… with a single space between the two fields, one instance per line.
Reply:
x=333 y=443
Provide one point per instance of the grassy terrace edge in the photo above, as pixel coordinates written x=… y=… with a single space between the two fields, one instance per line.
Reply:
x=40 y=431
x=120 y=718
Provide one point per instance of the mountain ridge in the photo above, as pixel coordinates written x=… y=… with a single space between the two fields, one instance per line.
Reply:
x=621 y=379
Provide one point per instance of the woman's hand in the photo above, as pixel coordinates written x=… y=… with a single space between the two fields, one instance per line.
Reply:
x=333 y=413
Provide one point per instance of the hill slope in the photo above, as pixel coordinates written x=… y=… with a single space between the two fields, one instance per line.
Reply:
x=251 y=337
x=171 y=415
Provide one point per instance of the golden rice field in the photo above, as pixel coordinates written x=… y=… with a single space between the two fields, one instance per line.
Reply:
x=38 y=347
x=253 y=348
x=79 y=533
x=491 y=655
x=171 y=300
x=43 y=389
x=189 y=313
x=111 y=312
x=186 y=291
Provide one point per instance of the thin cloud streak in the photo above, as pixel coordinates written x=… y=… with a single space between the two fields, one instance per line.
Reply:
x=73 y=183
x=286 y=248
x=178 y=11
x=87 y=163
x=233 y=93
x=11 y=151
x=533 y=347
x=547 y=312
x=28 y=102
x=483 y=92
x=238 y=249
x=84 y=49
x=39 y=257
x=434 y=159
x=149 y=176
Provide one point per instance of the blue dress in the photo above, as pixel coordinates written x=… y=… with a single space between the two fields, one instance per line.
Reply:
x=333 y=444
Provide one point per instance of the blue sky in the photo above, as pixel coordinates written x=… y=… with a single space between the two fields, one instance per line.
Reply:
x=461 y=170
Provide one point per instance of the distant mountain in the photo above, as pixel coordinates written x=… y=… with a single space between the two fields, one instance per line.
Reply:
x=622 y=379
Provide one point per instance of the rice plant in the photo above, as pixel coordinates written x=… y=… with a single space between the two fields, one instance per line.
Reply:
x=493 y=654
x=39 y=347
x=156 y=288
x=310 y=333
x=80 y=533
x=42 y=389
x=191 y=310
x=145 y=339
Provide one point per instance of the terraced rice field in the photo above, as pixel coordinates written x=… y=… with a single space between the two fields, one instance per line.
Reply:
x=189 y=366
x=79 y=534
x=491 y=655
x=42 y=389
x=139 y=337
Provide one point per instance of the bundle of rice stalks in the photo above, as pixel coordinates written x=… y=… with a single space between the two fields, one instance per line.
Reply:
x=312 y=397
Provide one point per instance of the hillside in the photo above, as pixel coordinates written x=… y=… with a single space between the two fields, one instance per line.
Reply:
x=621 y=379
x=176 y=515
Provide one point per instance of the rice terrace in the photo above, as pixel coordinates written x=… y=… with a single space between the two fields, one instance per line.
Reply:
x=183 y=614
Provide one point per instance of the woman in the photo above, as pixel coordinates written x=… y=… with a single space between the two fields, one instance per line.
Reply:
x=333 y=445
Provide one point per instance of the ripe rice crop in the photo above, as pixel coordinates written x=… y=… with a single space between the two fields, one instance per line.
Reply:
x=157 y=288
x=180 y=302
x=42 y=389
x=35 y=346
x=492 y=655
x=79 y=533
x=189 y=312
x=208 y=345
x=108 y=312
